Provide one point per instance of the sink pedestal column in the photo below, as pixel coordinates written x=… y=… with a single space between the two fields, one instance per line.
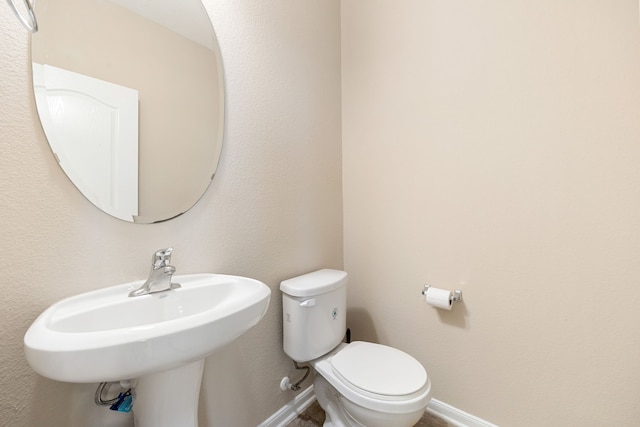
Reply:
x=169 y=398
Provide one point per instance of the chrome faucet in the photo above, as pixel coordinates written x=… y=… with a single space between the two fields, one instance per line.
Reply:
x=160 y=276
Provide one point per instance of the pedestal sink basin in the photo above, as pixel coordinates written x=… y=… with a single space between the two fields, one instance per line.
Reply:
x=159 y=339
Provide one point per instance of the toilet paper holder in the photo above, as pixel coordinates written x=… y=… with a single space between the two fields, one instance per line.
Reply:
x=456 y=297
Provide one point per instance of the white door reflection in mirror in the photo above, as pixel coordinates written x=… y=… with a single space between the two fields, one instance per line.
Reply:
x=96 y=128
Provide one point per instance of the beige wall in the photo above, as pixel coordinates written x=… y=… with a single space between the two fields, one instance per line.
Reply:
x=273 y=211
x=495 y=147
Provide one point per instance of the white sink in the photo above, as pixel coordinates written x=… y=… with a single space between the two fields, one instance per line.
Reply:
x=105 y=335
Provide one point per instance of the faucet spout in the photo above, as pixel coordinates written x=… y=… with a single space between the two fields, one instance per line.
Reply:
x=160 y=276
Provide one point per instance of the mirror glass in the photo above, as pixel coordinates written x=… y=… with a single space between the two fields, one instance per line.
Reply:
x=130 y=94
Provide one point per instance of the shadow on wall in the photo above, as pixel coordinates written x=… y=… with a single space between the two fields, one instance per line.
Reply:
x=360 y=322
x=456 y=317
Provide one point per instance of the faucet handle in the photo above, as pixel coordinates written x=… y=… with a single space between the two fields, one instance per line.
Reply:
x=162 y=258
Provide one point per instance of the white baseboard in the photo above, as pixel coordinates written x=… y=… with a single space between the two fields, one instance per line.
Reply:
x=291 y=410
x=452 y=415
x=455 y=416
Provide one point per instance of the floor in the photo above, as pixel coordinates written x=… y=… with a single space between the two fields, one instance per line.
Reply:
x=314 y=417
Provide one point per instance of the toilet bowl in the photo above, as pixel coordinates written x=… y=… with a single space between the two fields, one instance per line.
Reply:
x=358 y=383
x=372 y=385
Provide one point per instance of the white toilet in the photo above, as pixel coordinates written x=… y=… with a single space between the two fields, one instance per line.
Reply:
x=357 y=384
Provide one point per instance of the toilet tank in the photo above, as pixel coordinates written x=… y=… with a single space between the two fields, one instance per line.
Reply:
x=314 y=314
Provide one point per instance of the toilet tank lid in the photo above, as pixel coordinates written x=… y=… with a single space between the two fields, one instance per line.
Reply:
x=314 y=283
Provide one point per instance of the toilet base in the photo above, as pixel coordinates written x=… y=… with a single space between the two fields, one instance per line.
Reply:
x=340 y=412
x=328 y=399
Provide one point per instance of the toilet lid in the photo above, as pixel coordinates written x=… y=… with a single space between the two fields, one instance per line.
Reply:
x=379 y=369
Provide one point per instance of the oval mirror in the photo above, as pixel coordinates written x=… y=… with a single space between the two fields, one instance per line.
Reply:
x=130 y=95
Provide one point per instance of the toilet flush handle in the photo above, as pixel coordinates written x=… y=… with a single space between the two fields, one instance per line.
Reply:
x=308 y=303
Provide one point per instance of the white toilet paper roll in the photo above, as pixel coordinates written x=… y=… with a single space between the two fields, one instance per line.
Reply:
x=440 y=298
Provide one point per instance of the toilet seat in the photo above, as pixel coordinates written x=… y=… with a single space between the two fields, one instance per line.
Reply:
x=379 y=369
x=376 y=377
